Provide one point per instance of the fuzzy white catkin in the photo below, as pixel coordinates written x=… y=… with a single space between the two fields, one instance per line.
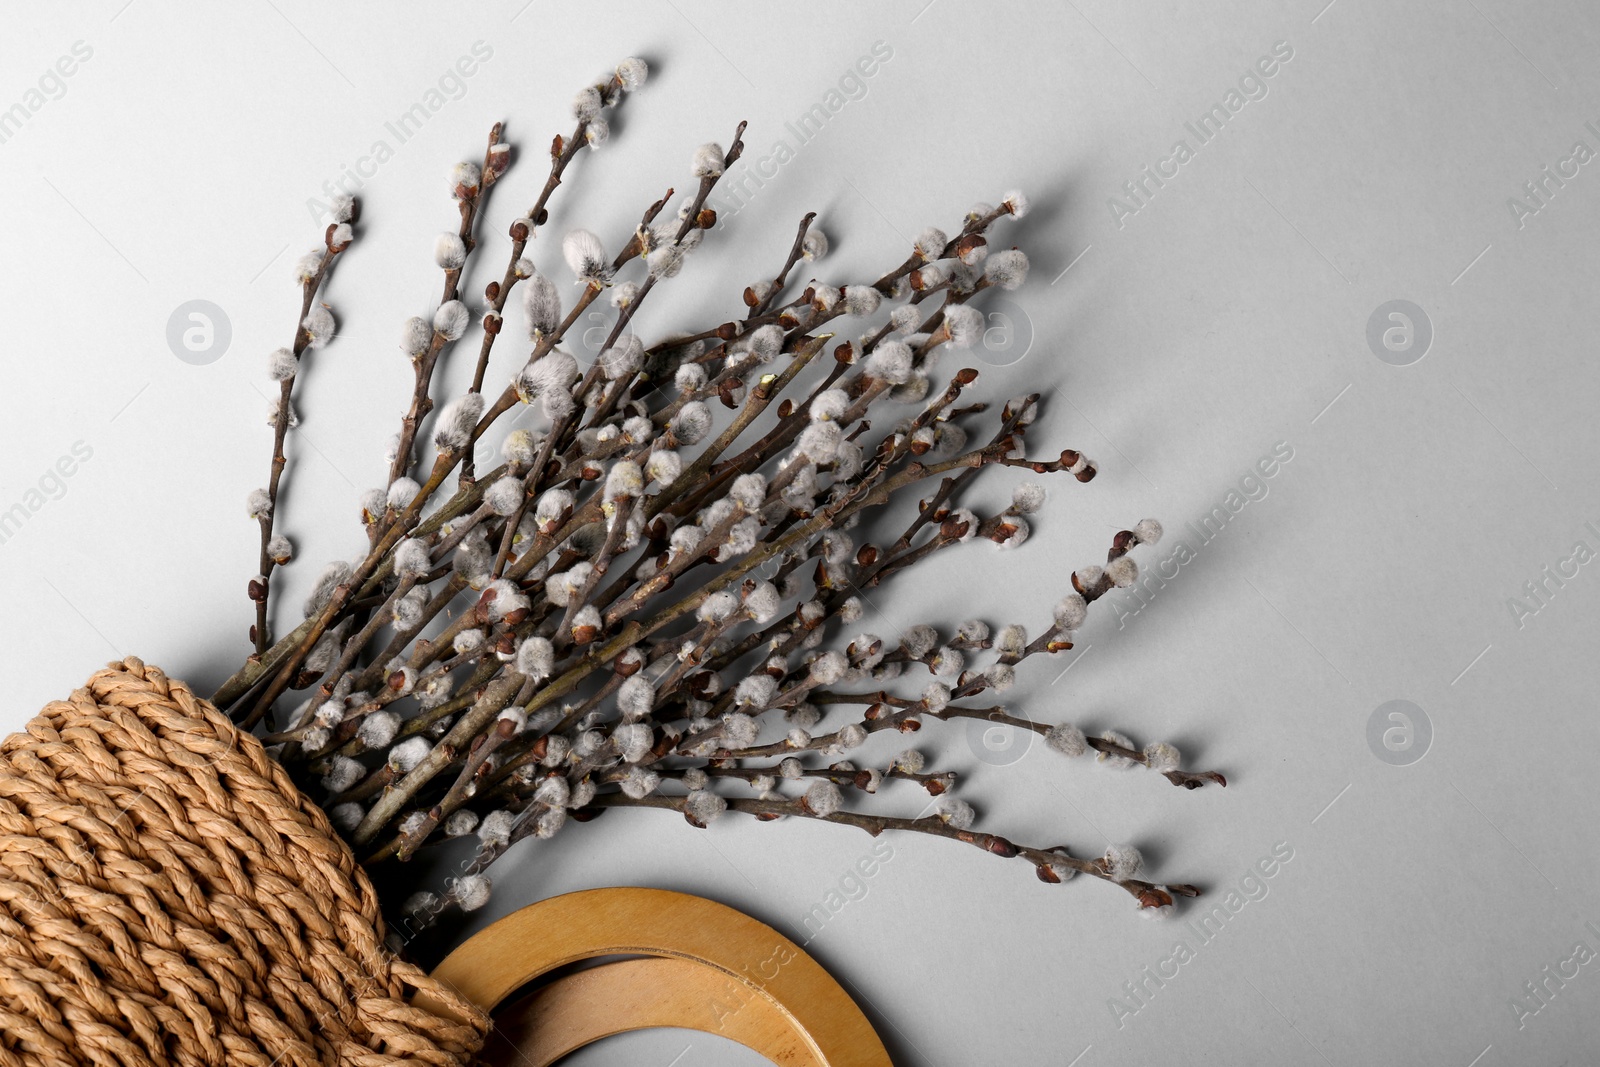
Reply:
x=890 y=361
x=739 y=730
x=460 y=823
x=1012 y=640
x=282 y=365
x=471 y=892
x=347 y=816
x=457 y=421
x=633 y=740
x=402 y=491
x=415 y=336
x=549 y=380
x=506 y=599
x=449 y=251
x=257 y=504
x=585 y=256
x=910 y=761
x=664 y=466
x=1070 y=612
x=637 y=429
x=1110 y=759
x=1148 y=531
x=318 y=326
x=343 y=772
x=819 y=441
x=665 y=261
x=636 y=697
x=1016 y=203
x=690 y=377
x=451 y=319
x=1089 y=577
x=378 y=729
x=956 y=812
x=625 y=294
x=306 y=267
x=495 y=829
x=623 y=359
x=541 y=303
x=707 y=162
x=326 y=582
x=586 y=104
x=704 y=806
x=624 y=480
x=553 y=791
x=1162 y=757
x=550 y=823
x=504 y=496
x=919 y=640
x=860 y=300
x=756 y=691
x=692 y=422
x=905 y=318
x=588 y=618
x=830 y=404
x=465 y=174
x=275 y=407
x=814 y=245
x=1027 y=498
x=851 y=736
x=763 y=603
x=930 y=243
x=632 y=72
x=640 y=783
x=1006 y=270
x=718 y=606
x=964 y=324
x=279 y=550
x=1123 y=861
x=1122 y=571
x=1066 y=739
x=822 y=798
x=407 y=754
x=553 y=504
x=749 y=491
x=829 y=667
x=766 y=342
x=1020 y=531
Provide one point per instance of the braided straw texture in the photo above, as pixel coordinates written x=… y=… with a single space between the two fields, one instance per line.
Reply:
x=168 y=897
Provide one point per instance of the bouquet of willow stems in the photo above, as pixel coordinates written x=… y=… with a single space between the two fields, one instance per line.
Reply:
x=650 y=605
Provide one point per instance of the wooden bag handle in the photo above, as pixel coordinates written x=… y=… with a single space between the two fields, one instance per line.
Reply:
x=715 y=970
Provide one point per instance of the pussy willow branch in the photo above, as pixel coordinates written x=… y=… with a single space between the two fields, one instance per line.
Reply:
x=529 y=695
x=523 y=230
x=497 y=696
x=421 y=398
x=1148 y=894
x=261 y=591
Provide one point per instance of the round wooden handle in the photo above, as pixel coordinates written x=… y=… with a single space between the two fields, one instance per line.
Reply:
x=716 y=970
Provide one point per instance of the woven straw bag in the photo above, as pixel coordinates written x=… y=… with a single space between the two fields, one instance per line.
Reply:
x=167 y=896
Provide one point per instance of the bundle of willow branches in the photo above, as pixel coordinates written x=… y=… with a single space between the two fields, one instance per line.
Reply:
x=650 y=603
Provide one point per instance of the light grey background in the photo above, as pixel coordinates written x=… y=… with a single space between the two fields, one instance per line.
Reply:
x=1182 y=342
